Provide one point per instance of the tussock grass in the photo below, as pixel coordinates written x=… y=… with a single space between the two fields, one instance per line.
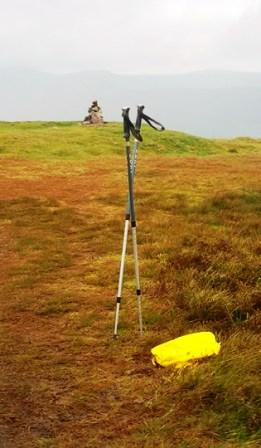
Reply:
x=64 y=381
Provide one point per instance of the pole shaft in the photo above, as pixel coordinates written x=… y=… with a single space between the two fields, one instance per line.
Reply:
x=125 y=239
x=123 y=254
x=133 y=170
x=121 y=273
x=137 y=275
x=130 y=183
x=134 y=235
x=128 y=128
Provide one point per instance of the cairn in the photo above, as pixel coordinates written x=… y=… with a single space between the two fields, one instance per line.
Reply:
x=94 y=114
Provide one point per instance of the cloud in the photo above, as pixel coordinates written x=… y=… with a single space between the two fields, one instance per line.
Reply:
x=241 y=46
x=130 y=37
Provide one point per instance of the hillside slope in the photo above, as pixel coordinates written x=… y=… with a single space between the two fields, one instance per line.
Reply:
x=64 y=382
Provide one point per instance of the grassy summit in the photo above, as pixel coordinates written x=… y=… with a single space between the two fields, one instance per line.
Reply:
x=64 y=382
x=59 y=141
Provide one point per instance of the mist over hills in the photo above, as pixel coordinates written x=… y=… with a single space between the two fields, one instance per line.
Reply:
x=207 y=103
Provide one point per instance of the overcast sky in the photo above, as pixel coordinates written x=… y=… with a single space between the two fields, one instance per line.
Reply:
x=131 y=36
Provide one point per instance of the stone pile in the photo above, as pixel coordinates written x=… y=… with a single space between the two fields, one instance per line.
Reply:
x=94 y=114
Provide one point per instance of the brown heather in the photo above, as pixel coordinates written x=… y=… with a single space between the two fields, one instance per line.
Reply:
x=64 y=382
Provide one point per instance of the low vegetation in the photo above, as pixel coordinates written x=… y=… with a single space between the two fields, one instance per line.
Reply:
x=64 y=382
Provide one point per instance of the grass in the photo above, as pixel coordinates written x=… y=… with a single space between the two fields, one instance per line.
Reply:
x=64 y=381
x=72 y=142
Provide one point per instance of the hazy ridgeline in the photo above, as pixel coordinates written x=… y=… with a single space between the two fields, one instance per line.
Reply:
x=211 y=104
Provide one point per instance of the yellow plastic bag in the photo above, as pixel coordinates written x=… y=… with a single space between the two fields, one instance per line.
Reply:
x=181 y=350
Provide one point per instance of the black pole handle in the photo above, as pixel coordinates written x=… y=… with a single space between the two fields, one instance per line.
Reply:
x=128 y=126
x=139 y=117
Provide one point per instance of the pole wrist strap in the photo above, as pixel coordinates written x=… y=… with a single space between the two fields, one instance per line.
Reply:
x=150 y=120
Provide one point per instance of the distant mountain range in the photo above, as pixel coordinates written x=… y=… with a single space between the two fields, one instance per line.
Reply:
x=207 y=103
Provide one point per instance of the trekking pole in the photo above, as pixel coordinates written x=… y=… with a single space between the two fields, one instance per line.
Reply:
x=127 y=127
x=131 y=174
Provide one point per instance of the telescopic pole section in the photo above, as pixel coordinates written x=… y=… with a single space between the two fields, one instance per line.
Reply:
x=127 y=128
x=134 y=236
x=121 y=273
x=125 y=239
x=126 y=134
